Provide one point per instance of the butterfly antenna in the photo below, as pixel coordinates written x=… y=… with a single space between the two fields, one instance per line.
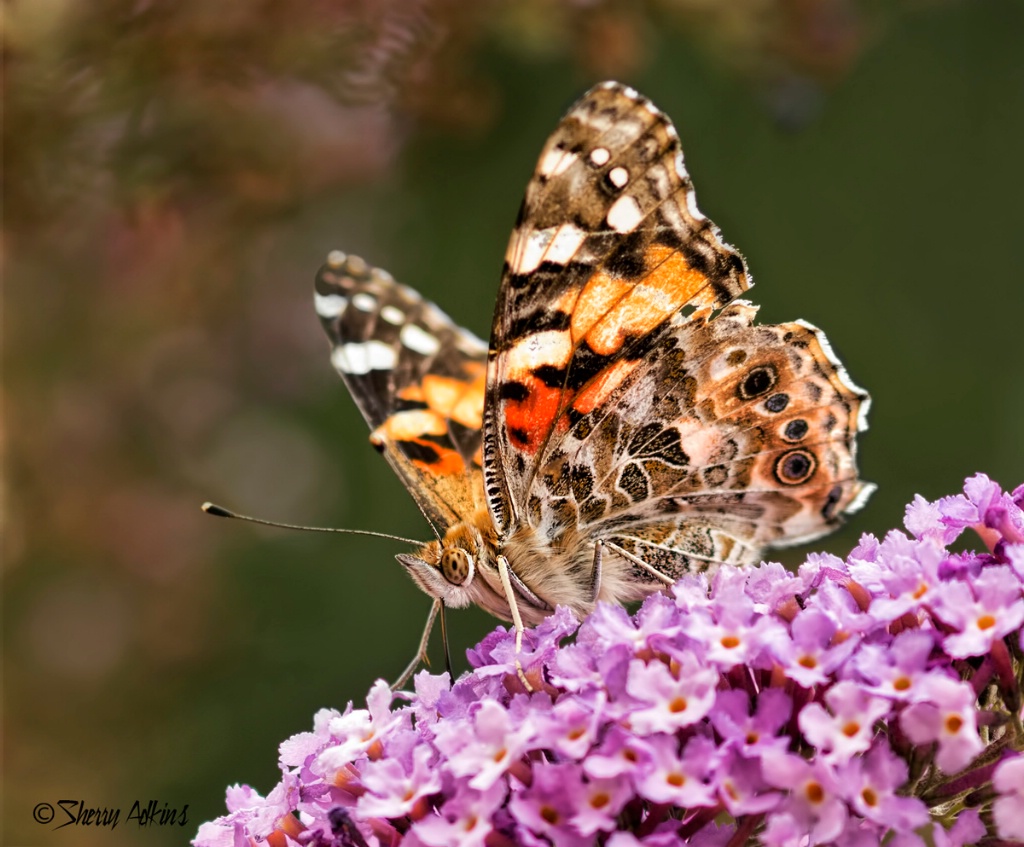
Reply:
x=221 y=512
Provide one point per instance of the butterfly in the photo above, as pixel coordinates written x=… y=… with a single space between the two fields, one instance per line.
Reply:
x=628 y=423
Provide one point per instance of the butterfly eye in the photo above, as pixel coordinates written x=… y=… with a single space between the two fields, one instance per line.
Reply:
x=456 y=565
x=795 y=467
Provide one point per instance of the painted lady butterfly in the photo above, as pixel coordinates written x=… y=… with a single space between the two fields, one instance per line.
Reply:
x=628 y=423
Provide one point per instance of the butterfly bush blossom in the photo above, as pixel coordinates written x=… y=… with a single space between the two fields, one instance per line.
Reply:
x=848 y=703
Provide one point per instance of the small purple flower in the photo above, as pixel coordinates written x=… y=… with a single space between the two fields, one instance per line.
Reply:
x=572 y=726
x=730 y=629
x=670 y=698
x=856 y=703
x=752 y=735
x=485 y=749
x=813 y=807
x=1008 y=808
x=948 y=717
x=465 y=821
x=620 y=753
x=924 y=520
x=811 y=652
x=870 y=783
x=986 y=610
x=394 y=791
x=848 y=726
x=895 y=670
x=600 y=802
x=741 y=787
x=549 y=804
x=679 y=779
x=966 y=829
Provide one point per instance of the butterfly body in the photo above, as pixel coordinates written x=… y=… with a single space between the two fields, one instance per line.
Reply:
x=628 y=422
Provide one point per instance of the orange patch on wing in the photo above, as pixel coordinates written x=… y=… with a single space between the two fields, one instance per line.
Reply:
x=597 y=298
x=600 y=388
x=529 y=421
x=461 y=400
x=469 y=409
x=410 y=428
x=669 y=284
x=448 y=462
x=566 y=302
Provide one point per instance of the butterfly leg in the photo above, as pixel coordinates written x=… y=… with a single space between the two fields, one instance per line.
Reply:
x=595 y=577
x=640 y=563
x=421 y=653
x=517 y=621
x=444 y=641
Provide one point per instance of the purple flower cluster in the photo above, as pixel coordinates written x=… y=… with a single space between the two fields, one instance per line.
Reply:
x=850 y=703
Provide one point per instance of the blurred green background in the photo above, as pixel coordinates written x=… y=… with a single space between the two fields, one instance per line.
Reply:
x=175 y=173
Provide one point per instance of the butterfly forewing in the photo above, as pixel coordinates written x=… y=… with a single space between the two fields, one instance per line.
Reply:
x=609 y=247
x=417 y=378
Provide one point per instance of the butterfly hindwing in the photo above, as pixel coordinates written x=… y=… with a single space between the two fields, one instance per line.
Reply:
x=727 y=438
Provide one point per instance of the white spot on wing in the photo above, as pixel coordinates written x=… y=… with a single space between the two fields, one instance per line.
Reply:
x=553 y=347
x=600 y=156
x=564 y=245
x=618 y=176
x=625 y=214
x=364 y=302
x=329 y=306
x=359 y=359
x=469 y=343
x=556 y=162
x=419 y=340
x=393 y=315
x=528 y=250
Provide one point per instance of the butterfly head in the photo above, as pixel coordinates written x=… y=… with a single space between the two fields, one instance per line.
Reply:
x=445 y=571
